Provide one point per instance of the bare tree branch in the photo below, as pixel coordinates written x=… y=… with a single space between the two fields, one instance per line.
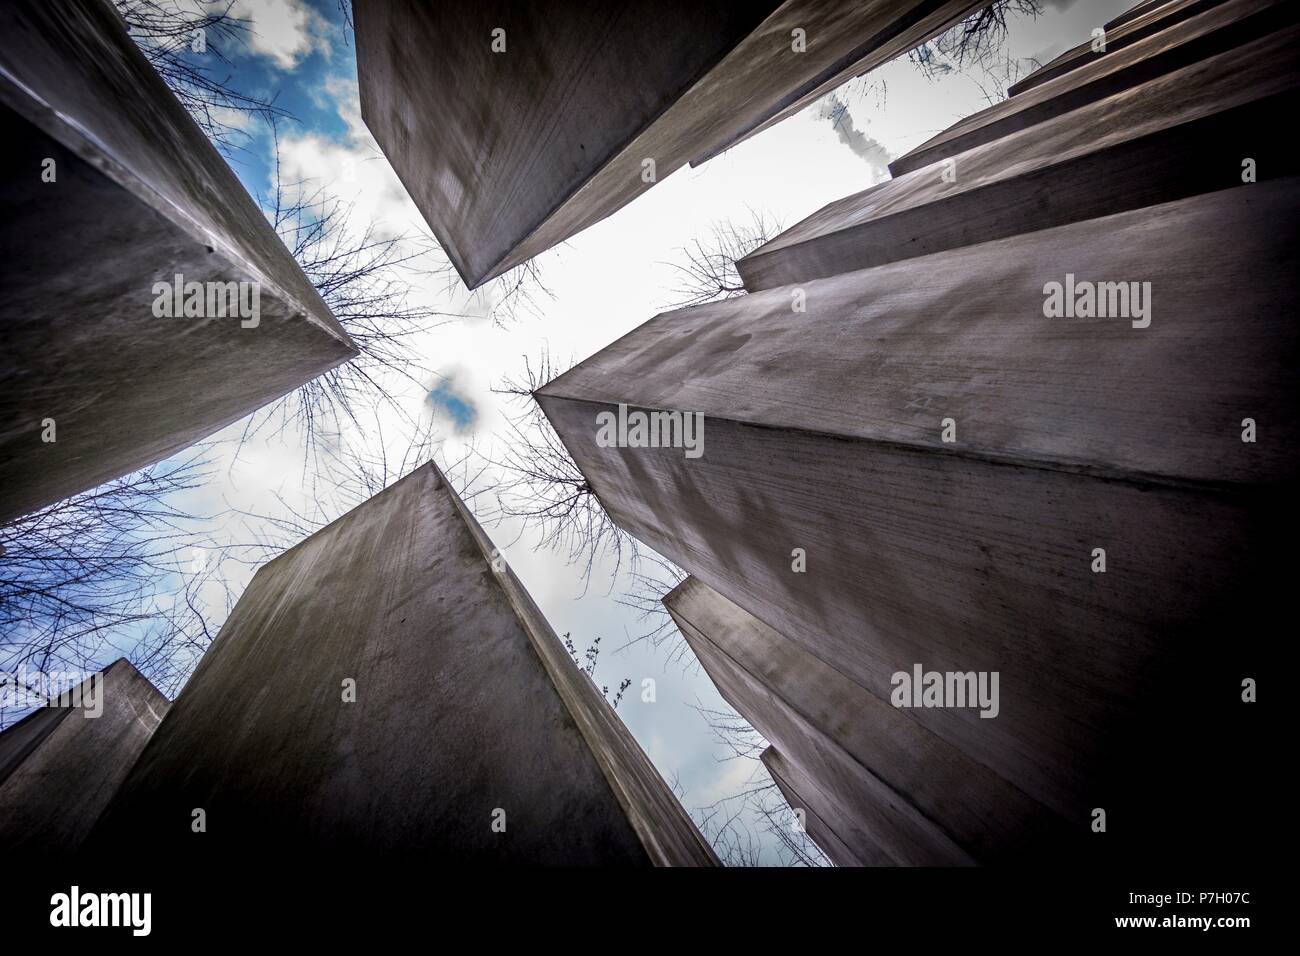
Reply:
x=102 y=566
x=978 y=44
x=542 y=486
x=728 y=822
x=588 y=666
x=654 y=577
x=185 y=42
x=709 y=272
x=367 y=279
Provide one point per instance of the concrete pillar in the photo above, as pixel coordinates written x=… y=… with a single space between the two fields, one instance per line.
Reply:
x=109 y=188
x=60 y=764
x=1135 y=11
x=1129 y=27
x=1211 y=32
x=914 y=797
x=515 y=126
x=387 y=687
x=1181 y=134
x=788 y=780
x=826 y=431
x=912 y=27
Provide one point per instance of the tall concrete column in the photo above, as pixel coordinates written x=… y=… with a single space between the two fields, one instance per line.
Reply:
x=1129 y=27
x=147 y=302
x=1182 y=43
x=912 y=25
x=387 y=687
x=1139 y=10
x=60 y=765
x=883 y=785
x=914 y=464
x=515 y=126
x=1181 y=134
x=809 y=816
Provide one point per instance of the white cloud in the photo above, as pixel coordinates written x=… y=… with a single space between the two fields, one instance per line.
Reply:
x=286 y=31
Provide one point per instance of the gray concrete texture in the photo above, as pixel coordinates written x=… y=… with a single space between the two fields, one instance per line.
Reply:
x=466 y=703
x=908 y=29
x=1178 y=135
x=789 y=779
x=1135 y=11
x=1072 y=434
x=139 y=196
x=1213 y=31
x=507 y=154
x=59 y=767
x=874 y=773
x=1130 y=27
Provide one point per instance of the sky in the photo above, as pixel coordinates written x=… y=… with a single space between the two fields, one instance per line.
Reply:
x=603 y=282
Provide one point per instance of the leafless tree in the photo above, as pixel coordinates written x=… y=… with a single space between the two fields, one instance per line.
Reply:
x=654 y=577
x=83 y=574
x=368 y=280
x=365 y=276
x=186 y=42
x=733 y=825
x=366 y=471
x=588 y=666
x=345 y=10
x=977 y=47
x=732 y=733
x=729 y=823
x=125 y=569
x=708 y=272
x=542 y=486
x=514 y=295
x=179 y=632
x=794 y=846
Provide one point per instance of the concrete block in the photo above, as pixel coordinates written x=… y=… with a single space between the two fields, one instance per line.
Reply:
x=467 y=712
x=927 y=802
x=1137 y=24
x=1072 y=434
x=911 y=27
x=510 y=153
x=138 y=196
x=862 y=853
x=1133 y=12
x=1209 y=33
x=1178 y=135
x=59 y=766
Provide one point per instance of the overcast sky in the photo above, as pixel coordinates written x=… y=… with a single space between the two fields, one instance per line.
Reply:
x=604 y=282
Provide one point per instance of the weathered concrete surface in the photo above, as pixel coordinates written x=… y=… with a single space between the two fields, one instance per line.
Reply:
x=1178 y=135
x=1133 y=12
x=1072 y=434
x=59 y=767
x=1130 y=27
x=918 y=799
x=508 y=154
x=784 y=775
x=1218 y=29
x=139 y=196
x=466 y=703
x=911 y=27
